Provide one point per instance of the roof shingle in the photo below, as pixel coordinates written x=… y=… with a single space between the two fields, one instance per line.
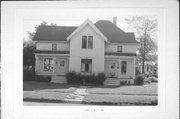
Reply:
x=114 y=33
x=53 y=33
x=60 y=33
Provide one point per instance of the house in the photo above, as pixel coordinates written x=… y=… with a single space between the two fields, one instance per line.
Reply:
x=89 y=48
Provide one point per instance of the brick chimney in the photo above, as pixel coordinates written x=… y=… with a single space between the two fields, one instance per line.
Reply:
x=115 y=20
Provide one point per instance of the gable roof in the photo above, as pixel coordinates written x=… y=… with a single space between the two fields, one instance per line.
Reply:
x=53 y=33
x=87 y=22
x=107 y=30
x=114 y=33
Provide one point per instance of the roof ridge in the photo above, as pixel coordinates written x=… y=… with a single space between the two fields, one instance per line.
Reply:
x=55 y=26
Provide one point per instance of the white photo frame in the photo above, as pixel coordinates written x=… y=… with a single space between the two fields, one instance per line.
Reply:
x=13 y=15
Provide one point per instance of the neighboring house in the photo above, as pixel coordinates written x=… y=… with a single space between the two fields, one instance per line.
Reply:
x=150 y=67
x=89 y=48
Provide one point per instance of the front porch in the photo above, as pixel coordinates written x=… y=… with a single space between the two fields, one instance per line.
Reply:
x=54 y=65
x=119 y=70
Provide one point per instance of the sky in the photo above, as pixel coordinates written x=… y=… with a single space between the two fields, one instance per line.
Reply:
x=76 y=16
x=29 y=24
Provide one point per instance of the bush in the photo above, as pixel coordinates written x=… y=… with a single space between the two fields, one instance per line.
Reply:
x=28 y=74
x=139 y=80
x=73 y=77
x=153 y=79
x=100 y=78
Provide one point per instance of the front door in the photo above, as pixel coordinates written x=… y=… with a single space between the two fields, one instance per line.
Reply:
x=61 y=66
x=113 y=69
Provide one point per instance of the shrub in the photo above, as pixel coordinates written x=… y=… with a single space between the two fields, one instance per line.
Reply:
x=153 y=79
x=139 y=80
x=100 y=78
x=79 y=79
x=72 y=77
x=28 y=74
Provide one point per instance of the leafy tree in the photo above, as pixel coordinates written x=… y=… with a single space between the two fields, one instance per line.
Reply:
x=28 y=53
x=29 y=46
x=146 y=32
x=31 y=34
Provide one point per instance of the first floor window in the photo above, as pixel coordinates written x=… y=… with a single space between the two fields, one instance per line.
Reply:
x=86 y=65
x=123 y=67
x=48 y=64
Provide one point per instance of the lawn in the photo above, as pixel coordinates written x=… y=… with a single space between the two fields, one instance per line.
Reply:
x=99 y=95
x=48 y=87
x=149 y=89
x=46 y=91
x=120 y=99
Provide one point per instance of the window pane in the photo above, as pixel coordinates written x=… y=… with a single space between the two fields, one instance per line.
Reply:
x=123 y=67
x=62 y=63
x=54 y=47
x=112 y=65
x=90 y=42
x=48 y=64
x=84 y=41
x=119 y=49
x=83 y=67
x=86 y=67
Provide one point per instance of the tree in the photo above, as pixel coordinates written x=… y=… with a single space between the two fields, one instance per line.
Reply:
x=28 y=53
x=146 y=32
x=31 y=34
x=29 y=46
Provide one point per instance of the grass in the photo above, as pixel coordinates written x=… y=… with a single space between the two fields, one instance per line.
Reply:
x=44 y=95
x=48 y=87
x=96 y=95
x=149 y=89
x=120 y=99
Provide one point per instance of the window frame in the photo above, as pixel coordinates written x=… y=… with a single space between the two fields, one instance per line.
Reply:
x=87 y=40
x=89 y=64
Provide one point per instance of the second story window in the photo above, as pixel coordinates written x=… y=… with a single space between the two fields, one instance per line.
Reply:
x=54 y=47
x=119 y=48
x=87 y=42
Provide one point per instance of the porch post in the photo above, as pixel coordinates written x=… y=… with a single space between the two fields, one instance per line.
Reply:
x=119 y=70
x=134 y=68
x=53 y=64
x=36 y=63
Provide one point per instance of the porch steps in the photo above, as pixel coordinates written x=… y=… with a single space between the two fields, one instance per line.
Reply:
x=112 y=81
x=58 y=79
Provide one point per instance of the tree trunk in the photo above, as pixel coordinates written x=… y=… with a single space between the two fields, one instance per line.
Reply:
x=144 y=52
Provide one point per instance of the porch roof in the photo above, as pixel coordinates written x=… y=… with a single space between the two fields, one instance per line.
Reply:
x=120 y=54
x=51 y=52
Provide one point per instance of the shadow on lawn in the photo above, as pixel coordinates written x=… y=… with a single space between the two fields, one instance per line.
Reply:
x=33 y=85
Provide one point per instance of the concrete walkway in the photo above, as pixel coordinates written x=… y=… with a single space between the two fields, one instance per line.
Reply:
x=77 y=96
